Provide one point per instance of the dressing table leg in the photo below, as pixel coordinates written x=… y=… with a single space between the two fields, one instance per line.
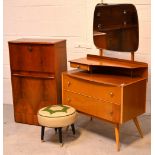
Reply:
x=138 y=126
x=91 y=118
x=117 y=136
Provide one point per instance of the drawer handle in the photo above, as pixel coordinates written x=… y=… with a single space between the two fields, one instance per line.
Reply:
x=124 y=12
x=111 y=94
x=78 y=66
x=30 y=48
x=68 y=83
x=68 y=100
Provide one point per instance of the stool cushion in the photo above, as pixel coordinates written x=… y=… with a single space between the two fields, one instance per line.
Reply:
x=57 y=116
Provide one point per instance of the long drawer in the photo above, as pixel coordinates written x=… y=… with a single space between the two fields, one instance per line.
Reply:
x=99 y=108
x=31 y=57
x=95 y=90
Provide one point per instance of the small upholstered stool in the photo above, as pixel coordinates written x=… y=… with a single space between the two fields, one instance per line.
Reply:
x=57 y=116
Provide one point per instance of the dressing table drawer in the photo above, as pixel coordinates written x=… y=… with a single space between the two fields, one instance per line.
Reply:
x=98 y=108
x=80 y=66
x=95 y=90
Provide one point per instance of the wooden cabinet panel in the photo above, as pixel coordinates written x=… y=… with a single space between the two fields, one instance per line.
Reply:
x=31 y=57
x=30 y=94
x=97 y=90
x=134 y=95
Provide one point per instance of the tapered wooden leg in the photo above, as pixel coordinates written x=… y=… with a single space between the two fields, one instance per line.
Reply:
x=73 y=128
x=91 y=118
x=55 y=130
x=117 y=137
x=67 y=128
x=138 y=126
x=60 y=134
x=42 y=133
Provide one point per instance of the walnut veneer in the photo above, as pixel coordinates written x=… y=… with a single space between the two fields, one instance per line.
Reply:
x=36 y=66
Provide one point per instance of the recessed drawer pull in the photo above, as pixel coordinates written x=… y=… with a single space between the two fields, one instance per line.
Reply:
x=33 y=76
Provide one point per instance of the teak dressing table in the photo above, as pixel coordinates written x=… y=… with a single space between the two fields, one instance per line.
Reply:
x=108 y=88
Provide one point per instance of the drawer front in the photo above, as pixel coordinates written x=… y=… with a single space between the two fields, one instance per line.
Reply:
x=80 y=66
x=94 y=107
x=30 y=94
x=30 y=57
x=96 y=90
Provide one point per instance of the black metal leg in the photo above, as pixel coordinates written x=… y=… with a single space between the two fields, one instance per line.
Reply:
x=73 y=128
x=55 y=130
x=60 y=134
x=42 y=132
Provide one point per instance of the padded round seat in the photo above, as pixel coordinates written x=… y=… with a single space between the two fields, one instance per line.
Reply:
x=57 y=116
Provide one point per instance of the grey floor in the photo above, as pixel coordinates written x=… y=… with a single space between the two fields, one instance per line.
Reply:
x=92 y=138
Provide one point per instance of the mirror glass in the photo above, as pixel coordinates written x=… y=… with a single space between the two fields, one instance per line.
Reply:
x=115 y=27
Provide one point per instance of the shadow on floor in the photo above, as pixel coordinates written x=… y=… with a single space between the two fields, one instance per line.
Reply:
x=128 y=131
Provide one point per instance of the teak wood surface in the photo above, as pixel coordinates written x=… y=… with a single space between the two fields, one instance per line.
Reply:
x=107 y=88
x=127 y=99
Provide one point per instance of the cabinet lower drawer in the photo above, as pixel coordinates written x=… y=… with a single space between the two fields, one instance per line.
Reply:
x=31 y=57
x=97 y=90
x=104 y=110
x=31 y=94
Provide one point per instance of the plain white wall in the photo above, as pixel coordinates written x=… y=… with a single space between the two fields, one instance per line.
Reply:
x=71 y=20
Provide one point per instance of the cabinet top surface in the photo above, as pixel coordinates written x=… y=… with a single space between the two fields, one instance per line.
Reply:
x=37 y=41
x=94 y=60
x=114 y=80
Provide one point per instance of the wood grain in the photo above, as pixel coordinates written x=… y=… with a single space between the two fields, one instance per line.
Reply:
x=134 y=100
x=117 y=137
x=36 y=67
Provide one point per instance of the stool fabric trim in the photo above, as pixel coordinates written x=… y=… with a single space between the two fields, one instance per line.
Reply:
x=57 y=116
x=56 y=111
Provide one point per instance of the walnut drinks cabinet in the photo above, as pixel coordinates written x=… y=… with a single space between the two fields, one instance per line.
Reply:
x=36 y=67
x=109 y=88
